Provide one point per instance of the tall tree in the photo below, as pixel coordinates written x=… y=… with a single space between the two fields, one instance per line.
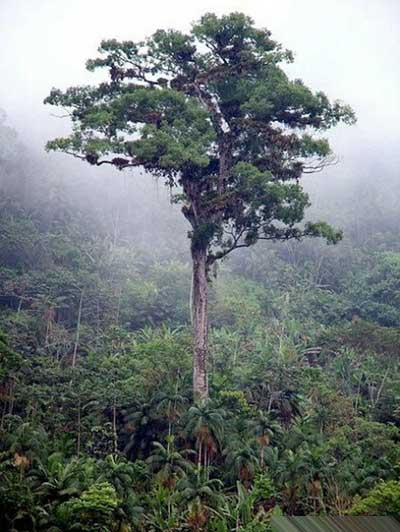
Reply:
x=215 y=115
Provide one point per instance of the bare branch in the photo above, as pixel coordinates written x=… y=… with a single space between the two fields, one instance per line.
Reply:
x=319 y=164
x=67 y=115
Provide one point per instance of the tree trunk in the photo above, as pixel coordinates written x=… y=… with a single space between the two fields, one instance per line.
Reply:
x=114 y=427
x=78 y=438
x=200 y=325
x=78 y=328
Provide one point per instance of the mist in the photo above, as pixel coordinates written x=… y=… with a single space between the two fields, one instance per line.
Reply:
x=350 y=50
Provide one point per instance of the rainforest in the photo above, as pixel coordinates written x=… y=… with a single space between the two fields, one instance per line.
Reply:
x=199 y=299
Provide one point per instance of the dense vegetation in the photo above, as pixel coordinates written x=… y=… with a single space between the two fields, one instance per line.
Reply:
x=98 y=428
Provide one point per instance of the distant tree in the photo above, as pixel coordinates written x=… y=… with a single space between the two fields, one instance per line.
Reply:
x=8 y=140
x=13 y=163
x=214 y=114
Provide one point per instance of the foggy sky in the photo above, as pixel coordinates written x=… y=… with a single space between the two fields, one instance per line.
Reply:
x=348 y=48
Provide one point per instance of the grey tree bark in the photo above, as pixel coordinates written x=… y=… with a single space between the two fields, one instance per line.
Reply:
x=200 y=325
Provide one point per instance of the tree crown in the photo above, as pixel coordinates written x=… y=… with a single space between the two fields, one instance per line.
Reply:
x=213 y=113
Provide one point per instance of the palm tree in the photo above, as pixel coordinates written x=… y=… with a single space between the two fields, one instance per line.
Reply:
x=287 y=404
x=294 y=474
x=118 y=472
x=55 y=482
x=169 y=463
x=27 y=443
x=263 y=428
x=244 y=506
x=141 y=425
x=321 y=467
x=171 y=404
x=241 y=459
x=202 y=497
x=121 y=474
x=207 y=426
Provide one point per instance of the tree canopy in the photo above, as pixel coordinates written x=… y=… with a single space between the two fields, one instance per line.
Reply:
x=214 y=113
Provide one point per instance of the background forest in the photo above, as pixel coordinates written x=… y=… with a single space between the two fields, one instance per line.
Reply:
x=98 y=429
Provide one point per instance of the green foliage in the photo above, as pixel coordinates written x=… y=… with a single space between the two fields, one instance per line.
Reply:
x=10 y=362
x=264 y=487
x=212 y=112
x=384 y=499
x=300 y=411
x=94 y=510
x=375 y=292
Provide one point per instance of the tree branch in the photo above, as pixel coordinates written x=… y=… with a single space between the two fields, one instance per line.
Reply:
x=320 y=164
